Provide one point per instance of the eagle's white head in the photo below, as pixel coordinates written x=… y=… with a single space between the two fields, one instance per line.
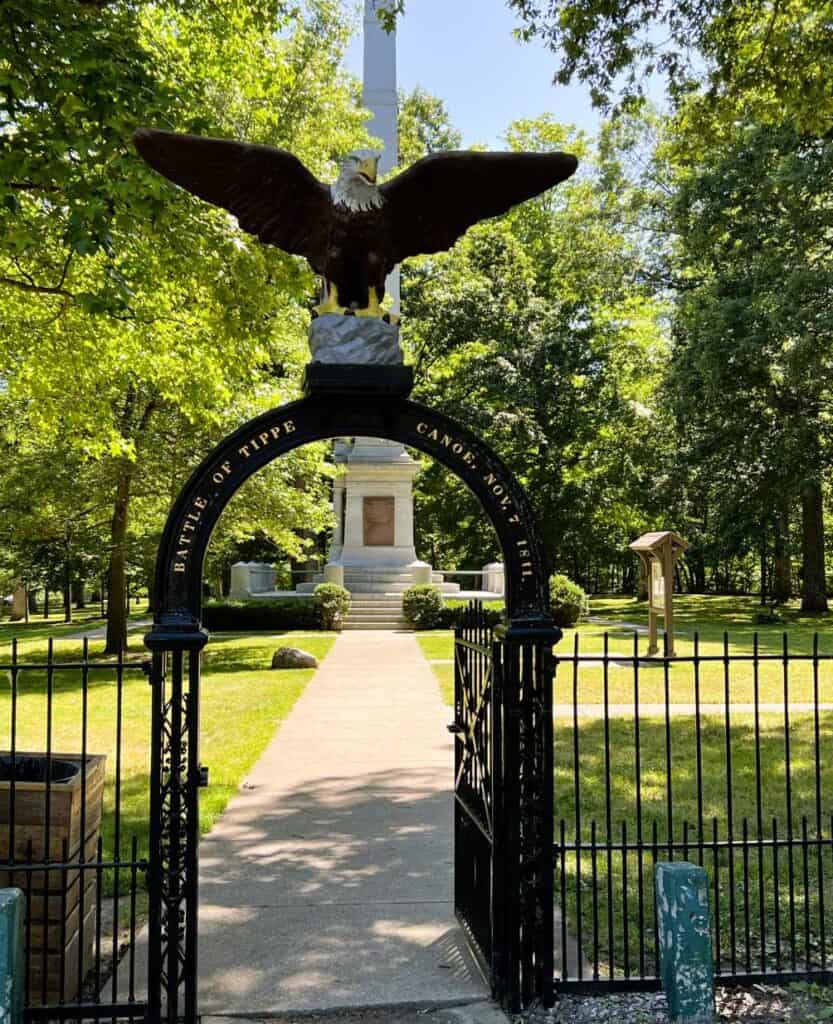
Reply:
x=356 y=187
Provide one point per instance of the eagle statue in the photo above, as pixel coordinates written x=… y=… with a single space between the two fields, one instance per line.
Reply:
x=353 y=233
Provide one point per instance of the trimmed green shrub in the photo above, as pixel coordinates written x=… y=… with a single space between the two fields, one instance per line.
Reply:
x=422 y=606
x=568 y=602
x=269 y=615
x=333 y=604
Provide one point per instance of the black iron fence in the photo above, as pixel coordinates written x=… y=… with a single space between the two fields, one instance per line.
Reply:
x=74 y=823
x=720 y=755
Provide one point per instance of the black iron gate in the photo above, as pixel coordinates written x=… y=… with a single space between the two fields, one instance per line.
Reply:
x=477 y=791
x=503 y=870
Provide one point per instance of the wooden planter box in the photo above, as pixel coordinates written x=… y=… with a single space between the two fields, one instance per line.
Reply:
x=53 y=897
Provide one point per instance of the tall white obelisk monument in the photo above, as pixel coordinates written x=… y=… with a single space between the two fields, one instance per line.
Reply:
x=379 y=95
x=373 y=542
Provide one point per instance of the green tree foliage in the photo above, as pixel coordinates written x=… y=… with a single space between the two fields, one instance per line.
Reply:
x=424 y=127
x=537 y=331
x=133 y=316
x=775 y=53
x=753 y=360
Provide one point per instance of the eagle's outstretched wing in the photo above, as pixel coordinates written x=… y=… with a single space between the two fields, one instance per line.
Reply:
x=438 y=198
x=268 y=190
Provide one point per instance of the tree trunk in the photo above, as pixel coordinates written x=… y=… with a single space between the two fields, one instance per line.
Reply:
x=781 y=582
x=642 y=582
x=116 y=581
x=46 y=602
x=697 y=567
x=763 y=553
x=78 y=591
x=67 y=591
x=813 y=585
x=116 y=573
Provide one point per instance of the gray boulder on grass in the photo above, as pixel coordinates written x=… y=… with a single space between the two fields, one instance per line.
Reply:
x=293 y=657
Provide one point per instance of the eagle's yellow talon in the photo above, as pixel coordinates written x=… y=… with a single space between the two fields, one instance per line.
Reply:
x=373 y=308
x=330 y=303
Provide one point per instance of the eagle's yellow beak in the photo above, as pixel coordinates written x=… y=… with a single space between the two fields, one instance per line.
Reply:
x=368 y=168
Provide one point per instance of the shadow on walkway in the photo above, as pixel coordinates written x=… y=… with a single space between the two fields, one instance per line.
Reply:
x=338 y=894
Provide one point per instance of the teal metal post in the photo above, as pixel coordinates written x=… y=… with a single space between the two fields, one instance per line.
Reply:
x=11 y=956
x=684 y=927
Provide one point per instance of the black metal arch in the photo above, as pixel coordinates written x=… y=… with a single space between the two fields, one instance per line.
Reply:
x=261 y=440
x=503 y=711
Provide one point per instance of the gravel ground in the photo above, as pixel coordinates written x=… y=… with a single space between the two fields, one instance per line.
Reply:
x=762 y=1004
x=802 y=1003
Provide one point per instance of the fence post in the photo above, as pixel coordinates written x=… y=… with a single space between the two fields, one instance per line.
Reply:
x=684 y=926
x=11 y=956
x=175 y=777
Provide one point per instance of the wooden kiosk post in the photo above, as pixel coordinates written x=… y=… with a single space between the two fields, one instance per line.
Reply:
x=658 y=553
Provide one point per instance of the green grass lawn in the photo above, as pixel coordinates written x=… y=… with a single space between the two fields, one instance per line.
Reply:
x=242 y=702
x=616 y=796
x=614 y=799
x=32 y=636
x=710 y=618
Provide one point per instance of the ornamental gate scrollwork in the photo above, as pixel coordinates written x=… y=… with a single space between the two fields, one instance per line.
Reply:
x=174 y=833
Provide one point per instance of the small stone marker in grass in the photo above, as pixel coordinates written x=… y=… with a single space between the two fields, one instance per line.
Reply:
x=293 y=657
x=19 y=598
x=12 y=909
x=684 y=927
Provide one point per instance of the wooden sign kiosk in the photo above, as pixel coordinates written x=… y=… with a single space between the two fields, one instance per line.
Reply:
x=658 y=552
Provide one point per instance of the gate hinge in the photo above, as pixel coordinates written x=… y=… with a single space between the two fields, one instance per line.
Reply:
x=455 y=728
x=202 y=776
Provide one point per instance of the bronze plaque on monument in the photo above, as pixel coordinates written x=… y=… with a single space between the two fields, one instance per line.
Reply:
x=378 y=522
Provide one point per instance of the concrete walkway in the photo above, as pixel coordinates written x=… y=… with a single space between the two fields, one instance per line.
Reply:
x=328 y=881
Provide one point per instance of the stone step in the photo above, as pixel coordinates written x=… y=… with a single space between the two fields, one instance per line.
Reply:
x=392 y=624
x=377 y=613
x=377 y=588
x=374 y=617
x=378 y=574
x=385 y=577
x=397 y=588
x=394 y=605
x=373 y=582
